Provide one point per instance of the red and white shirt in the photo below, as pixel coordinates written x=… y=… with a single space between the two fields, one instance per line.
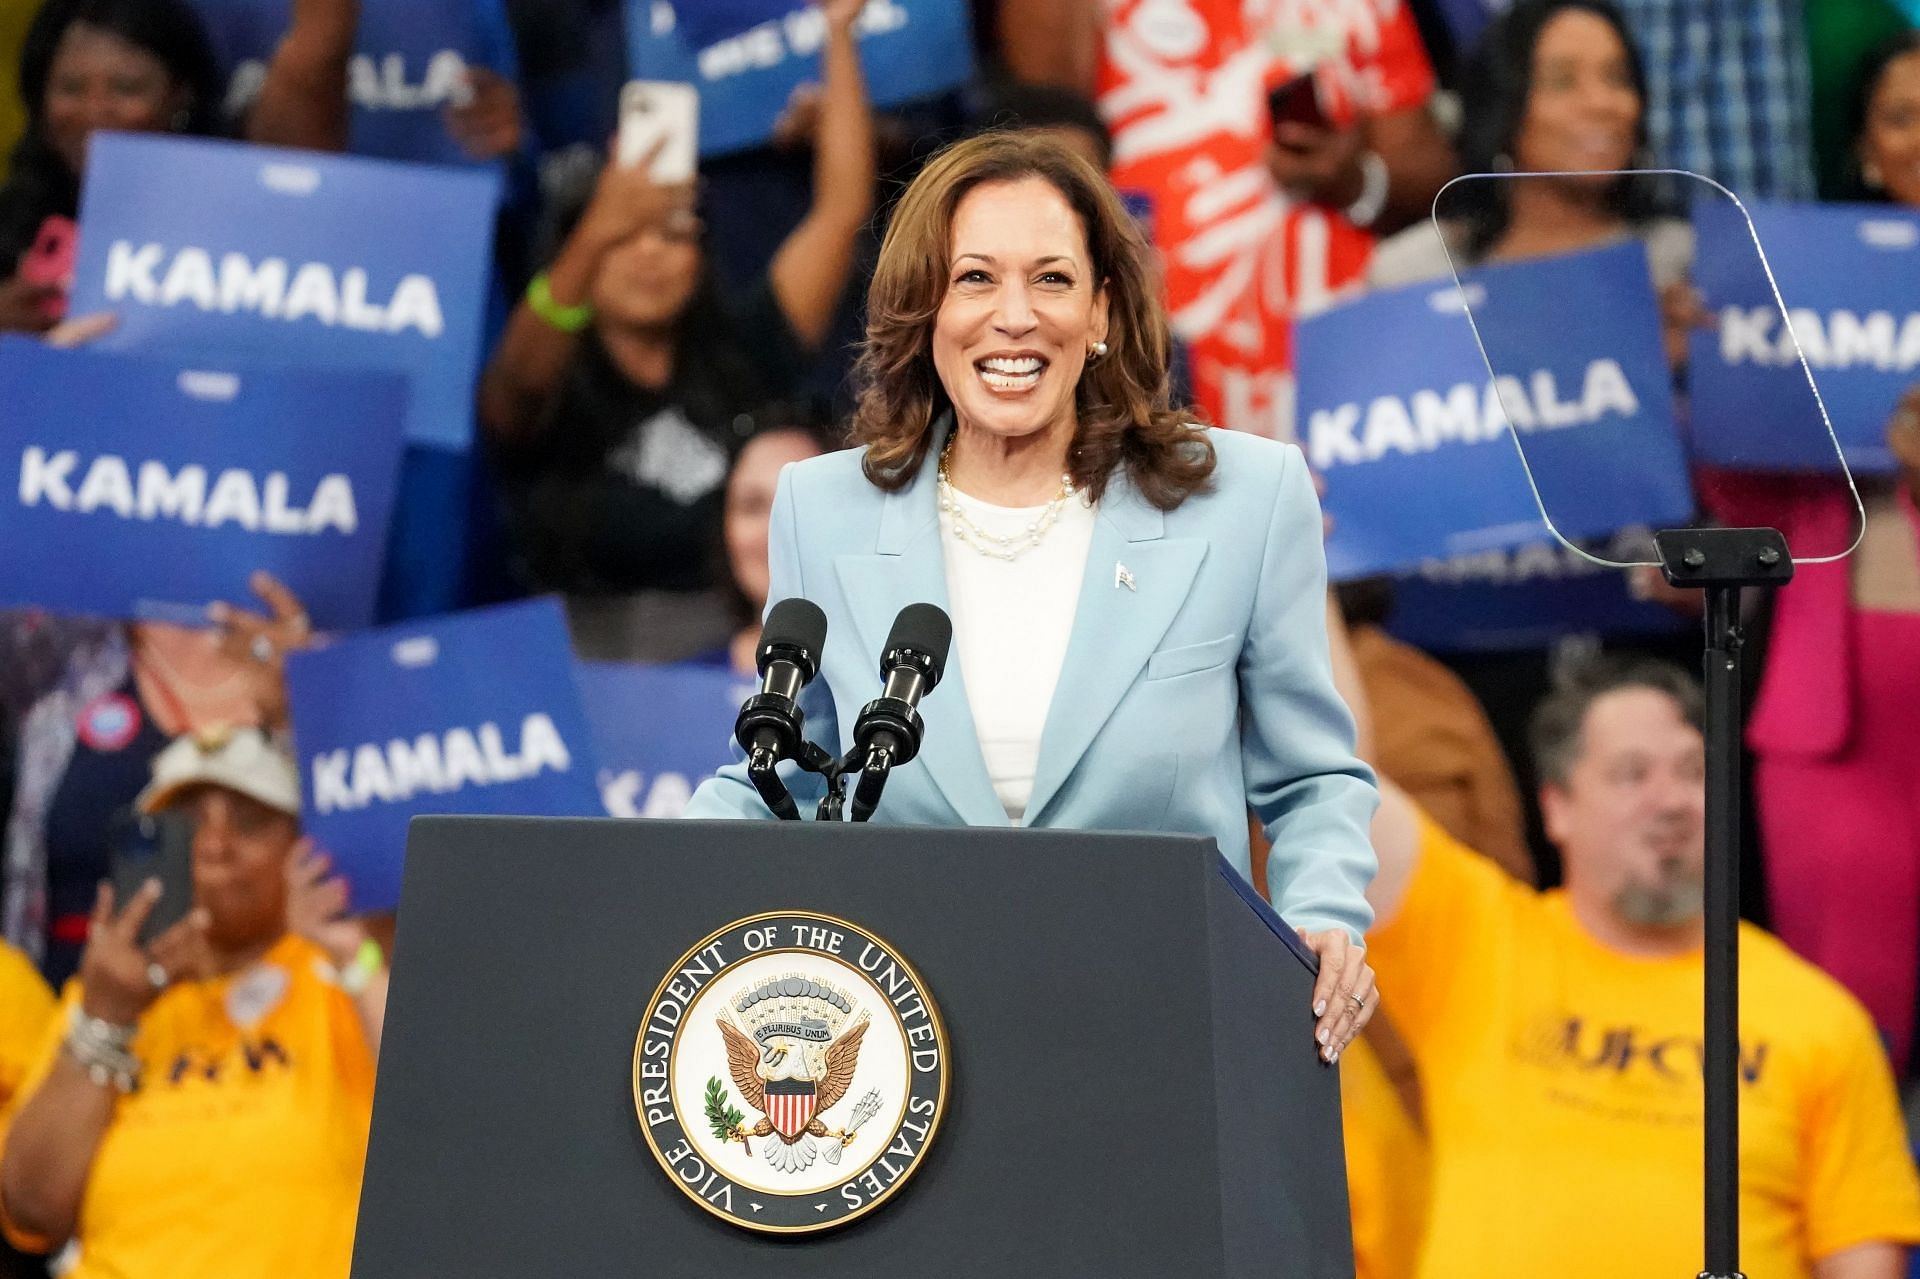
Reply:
x=1183 y=86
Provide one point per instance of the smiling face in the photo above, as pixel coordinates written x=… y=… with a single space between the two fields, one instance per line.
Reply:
x=100 y=81
x=1583 y=112
x=1890 y=140
x=1630 y=818
x=1021 y=311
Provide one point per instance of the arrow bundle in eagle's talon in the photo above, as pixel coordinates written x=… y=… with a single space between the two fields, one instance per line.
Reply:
x=868 y=1107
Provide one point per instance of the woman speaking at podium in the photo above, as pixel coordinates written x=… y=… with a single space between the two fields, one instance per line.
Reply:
x=1138 y=603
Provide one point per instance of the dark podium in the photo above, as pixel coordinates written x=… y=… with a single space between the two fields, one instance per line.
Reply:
x=1134 y=1085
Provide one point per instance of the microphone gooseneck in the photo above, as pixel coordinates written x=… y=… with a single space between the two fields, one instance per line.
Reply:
x=888 y=731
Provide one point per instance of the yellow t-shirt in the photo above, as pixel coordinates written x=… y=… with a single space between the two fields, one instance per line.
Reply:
x=15 y=17
x=1563 y=1092
x=240 y=1153
x=26 y=1006
x=1386 y=1166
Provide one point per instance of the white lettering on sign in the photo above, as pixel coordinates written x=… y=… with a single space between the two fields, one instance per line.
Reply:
x=1467 y=413
x=147 y=274
x=1837 y=340
x=152 y=491
x=798 y=34
x=1542 y=561
x=440 y=763
x=375 y=82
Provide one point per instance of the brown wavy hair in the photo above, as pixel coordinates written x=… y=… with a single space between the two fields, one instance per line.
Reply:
x=1126 y=418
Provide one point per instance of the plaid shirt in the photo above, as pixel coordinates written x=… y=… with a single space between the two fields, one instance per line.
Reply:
x=1728 y=91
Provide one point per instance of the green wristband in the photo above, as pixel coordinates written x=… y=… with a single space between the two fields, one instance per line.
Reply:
x=567 y=319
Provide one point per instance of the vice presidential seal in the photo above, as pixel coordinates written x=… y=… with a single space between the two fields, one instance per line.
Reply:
x=790 y=1072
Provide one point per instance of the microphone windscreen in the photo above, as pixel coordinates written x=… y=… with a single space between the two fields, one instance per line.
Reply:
x=927 y=629
x=795 y=624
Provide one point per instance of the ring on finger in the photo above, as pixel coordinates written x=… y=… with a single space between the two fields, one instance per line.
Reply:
x=1358 y=1001
x=157 y=976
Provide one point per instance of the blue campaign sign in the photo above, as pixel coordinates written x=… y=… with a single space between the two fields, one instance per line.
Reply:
x=1411 y=436
x=469 y=713
x=1527 y=597
x=1850 y=277
x=146 y=488
x=409 y=65
x=909 y=49
x=660 y=730
x=217 y=250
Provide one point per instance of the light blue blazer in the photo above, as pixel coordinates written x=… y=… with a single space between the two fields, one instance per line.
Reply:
x=1203 y=688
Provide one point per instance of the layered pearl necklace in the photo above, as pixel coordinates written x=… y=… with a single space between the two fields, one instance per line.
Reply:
x=1009 y=546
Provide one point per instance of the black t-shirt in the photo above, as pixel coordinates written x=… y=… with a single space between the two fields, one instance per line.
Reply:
x=624 y=488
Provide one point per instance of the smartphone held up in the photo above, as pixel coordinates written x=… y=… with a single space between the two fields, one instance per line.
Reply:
x=660 y=117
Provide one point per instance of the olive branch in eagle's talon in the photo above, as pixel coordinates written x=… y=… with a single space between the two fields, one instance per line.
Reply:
x=727 y=1121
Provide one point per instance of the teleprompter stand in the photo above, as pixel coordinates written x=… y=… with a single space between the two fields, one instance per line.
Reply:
x=1720 y=561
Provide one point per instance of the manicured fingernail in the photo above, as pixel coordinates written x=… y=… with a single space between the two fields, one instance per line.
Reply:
x=1326 y=1055
x=1320 y=1009
x=1335 y=1059
x=1325 y=1036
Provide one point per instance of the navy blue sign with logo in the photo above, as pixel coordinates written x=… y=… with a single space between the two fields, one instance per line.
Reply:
x=470 y=713
x=746 y=57
x=218 y=250
x=1849 y=275
x=143 y=487
x=660 y=730
x=1398 y=416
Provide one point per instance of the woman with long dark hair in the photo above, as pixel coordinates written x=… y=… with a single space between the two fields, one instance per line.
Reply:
x=625 y=383
x=1554 y=87
x=141 y=66
x=1138 y=603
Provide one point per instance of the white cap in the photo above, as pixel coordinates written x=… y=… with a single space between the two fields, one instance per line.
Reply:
x=242 y=760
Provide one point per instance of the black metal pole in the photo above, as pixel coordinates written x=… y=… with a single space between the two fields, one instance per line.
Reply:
x=1720 y=561
x=1723 y=933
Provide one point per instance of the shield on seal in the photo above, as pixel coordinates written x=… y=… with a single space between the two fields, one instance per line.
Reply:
x=790 y=1106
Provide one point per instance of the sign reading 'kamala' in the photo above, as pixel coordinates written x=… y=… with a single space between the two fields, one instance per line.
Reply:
x=1416 y=450
x=1850 y=278
x=472 y=713
x=138 y=488
x=220 y=251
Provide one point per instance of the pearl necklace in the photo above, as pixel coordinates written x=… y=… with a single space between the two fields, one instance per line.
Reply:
x=1010 y=546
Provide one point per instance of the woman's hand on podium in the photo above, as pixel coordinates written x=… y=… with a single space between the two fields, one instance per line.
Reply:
x=1344 y=996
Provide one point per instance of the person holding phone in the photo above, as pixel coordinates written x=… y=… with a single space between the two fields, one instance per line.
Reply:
x=87 y=706
x=201 y=1104
x=141 y=66
x=624 y=384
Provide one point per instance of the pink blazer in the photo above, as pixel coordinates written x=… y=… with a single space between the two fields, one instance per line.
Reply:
x=1805 y=704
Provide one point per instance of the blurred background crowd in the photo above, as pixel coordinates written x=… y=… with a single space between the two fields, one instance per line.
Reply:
x=194 y=1098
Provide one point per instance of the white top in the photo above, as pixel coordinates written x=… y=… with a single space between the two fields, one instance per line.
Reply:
x=1011 y=623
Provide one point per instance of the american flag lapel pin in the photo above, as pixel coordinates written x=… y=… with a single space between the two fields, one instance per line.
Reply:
x=1122 y=577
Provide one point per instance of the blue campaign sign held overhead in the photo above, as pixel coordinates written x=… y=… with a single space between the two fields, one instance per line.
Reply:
x=218 y=250
x=1400 y=418
x=1527 y=597
x=409 y=64
x=660 y=730
x=909 y=49
x=1850 y=277
x=470 y=713
x=142 y=487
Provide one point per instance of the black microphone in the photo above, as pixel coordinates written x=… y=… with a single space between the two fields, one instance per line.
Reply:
x=888 y=730
x=770 y=722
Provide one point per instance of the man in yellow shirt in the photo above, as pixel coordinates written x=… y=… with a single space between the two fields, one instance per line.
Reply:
x=1558 y=1034
x=201 y=1105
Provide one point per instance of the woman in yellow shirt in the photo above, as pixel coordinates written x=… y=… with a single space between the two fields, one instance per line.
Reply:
x=201 y=1106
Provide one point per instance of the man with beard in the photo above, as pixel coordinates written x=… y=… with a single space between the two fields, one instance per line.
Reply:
x=1558 y=1034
